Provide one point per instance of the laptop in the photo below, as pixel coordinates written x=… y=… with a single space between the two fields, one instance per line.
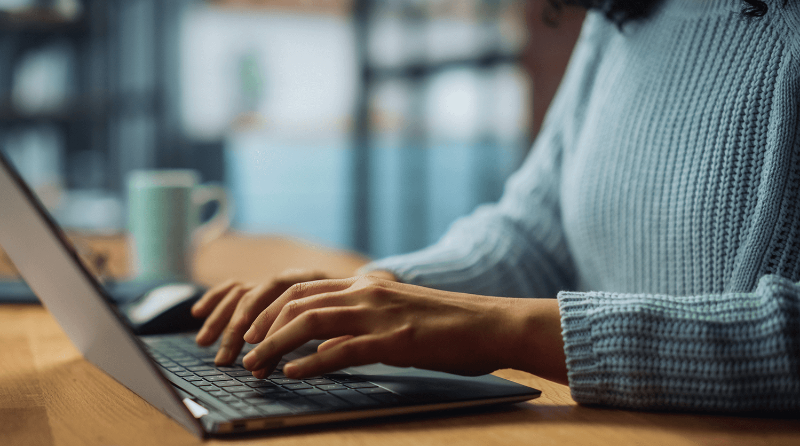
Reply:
x=180 y=379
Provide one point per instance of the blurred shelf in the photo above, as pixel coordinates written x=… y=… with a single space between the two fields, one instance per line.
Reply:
x=331 y=7
x=11 y=117
x=40 y=21
x=425 y=68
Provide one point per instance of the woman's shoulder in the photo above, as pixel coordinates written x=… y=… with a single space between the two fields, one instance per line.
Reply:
x=787 y=14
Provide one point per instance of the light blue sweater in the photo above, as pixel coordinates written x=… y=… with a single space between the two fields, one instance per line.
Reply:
x=667 y=178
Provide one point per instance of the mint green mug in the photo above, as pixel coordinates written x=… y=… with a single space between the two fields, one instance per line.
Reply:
x=164 y=223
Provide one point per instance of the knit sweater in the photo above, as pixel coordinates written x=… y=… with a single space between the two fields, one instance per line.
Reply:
x=660 y=205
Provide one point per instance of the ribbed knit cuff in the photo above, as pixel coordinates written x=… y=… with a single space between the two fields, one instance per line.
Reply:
x=582 y=362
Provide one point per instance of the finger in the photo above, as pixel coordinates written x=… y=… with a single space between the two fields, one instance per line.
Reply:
x=297 y=307
x=330 y=343
x=215 y=323
x=264 y=321
x=253 y=303
x=320 y=323
x=293 y=276
x=233 y=334
x=203 y=307
x=359 y=350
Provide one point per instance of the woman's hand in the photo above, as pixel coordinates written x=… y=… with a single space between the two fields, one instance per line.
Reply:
x=231 y=307
x=369 y=320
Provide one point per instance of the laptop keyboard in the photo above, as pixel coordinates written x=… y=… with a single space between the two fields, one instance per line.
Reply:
x=276 y=395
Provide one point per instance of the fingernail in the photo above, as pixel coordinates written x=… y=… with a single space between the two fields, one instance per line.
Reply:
x=223 y=356
x=200 y=336
x=249 y=335
x=249 y=361
x=291 y=369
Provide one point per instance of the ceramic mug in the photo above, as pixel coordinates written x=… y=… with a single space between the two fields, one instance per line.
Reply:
x=164 y=221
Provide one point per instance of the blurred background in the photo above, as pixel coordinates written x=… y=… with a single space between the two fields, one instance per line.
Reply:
x=361 y=124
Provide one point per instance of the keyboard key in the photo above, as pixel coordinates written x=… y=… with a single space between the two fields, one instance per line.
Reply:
x=176 y=369
x=185 y=374
x=285 y=381
x=255 y=397
x=237 y=373
x=332 y=387
x=298 y=386
x=246 y=394
x=206 y=372
x=311 y=391
x=318 y=381
x=252 y=379
x=257 y=384
x=207 y=387
x=273 y=389
x=228 y=383
x=191 y=363
x=218 y=393
x=199 y=368
x=193 y=378
x=344 y=378
x=229 y=369
x=228 y=398
x=213 y=378
x=237 y=389
x=282 y=395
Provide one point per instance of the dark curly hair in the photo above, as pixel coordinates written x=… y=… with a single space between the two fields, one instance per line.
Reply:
x=621 y=11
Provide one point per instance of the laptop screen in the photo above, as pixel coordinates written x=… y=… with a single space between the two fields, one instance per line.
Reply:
x=53 y=270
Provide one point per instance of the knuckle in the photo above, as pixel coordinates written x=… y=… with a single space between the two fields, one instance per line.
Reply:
x=312 y=318
x=291 y=309
x=295 y=290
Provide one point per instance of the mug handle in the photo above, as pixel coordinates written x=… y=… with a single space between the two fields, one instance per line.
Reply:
x=219 y=222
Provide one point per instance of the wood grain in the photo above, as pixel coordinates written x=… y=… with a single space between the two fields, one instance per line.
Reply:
x=49 y=395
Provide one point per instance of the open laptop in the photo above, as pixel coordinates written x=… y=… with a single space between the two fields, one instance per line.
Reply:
x=179 y=377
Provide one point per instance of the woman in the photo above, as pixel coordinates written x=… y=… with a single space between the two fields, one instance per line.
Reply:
x=659 y=205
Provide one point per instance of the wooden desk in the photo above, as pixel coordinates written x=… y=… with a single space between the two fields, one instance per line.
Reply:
x=50 y=395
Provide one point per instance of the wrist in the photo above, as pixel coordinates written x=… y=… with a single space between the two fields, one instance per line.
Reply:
x=536 y=336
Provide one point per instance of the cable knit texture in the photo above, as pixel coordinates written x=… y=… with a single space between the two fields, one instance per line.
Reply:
x=667 y=176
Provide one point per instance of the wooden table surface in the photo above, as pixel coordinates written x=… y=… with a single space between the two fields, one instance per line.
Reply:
x=50 y=395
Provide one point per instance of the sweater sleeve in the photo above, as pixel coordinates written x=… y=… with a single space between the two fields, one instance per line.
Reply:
x=517 y=247
x=730 y=352
x=512 y=248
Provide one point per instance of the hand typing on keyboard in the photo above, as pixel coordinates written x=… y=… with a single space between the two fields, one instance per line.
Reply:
x=231 y=307
x=369 y=320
